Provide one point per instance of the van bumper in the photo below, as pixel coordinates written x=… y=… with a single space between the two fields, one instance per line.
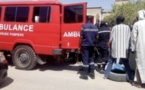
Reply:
x=57 y=51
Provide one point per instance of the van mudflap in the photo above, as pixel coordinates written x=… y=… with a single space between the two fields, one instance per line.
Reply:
x=40 y=61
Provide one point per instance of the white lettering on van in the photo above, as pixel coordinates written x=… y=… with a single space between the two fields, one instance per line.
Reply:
x=26 y=28
x=22 y=28
x=15 y=27
x=31 y=27
x=17 y=34
x=1 y=26
x=71 y=34
x=11 y=34
x=7 y=27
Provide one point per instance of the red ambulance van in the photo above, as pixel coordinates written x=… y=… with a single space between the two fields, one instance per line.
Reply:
x=32 y=29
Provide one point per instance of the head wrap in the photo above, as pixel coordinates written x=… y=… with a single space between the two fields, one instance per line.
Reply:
x=141 y=15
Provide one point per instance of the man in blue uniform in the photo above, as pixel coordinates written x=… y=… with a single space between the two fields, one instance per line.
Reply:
x=102 y=48
x=87 y=44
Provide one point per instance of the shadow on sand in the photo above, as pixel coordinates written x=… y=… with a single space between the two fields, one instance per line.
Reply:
x=6 y=82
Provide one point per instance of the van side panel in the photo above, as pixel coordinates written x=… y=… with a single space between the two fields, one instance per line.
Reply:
x=43 y=37
x=72 y=23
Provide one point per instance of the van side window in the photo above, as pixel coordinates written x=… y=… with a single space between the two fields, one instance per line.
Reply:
x=10 y=13
x=73 y=14
x=22 y=14
x=16 y=14
x=0 y=12
x=41 y=14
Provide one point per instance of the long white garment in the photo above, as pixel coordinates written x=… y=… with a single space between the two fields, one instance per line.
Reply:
x=119 y=39
x=138 y=43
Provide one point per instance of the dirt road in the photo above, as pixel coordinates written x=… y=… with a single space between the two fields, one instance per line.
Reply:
x=58 y=76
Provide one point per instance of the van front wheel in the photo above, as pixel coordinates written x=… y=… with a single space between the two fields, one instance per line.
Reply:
x=24 y=57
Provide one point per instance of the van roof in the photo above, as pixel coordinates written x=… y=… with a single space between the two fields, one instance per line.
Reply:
x=28 y=2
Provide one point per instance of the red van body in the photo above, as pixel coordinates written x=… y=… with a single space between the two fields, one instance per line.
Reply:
x=29 y=29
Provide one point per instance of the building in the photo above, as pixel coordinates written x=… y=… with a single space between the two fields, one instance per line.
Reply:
x=105 y=14
x=99 y=14
x=96 y=12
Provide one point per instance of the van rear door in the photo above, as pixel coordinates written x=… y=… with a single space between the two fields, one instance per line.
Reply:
x=73 y=17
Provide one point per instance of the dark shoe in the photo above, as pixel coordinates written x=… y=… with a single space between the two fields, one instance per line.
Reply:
x=101 y=71
x=136 y=85
x=84 y=75
x=131 y=82
x=92 y=74
x=81 y=69
x=98 y=68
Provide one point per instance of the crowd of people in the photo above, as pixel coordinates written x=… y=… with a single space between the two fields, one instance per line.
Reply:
x=110 y=43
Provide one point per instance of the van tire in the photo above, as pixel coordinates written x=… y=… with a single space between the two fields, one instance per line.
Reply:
x=119 y=77
x=24 y=57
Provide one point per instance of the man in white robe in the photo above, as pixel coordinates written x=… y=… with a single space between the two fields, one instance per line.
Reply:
x=138 y=46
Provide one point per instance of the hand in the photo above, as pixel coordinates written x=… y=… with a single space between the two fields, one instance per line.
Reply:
x=95 y=49
x=108 y=44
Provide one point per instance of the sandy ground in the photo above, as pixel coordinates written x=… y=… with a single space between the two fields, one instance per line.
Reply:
x=58 y=76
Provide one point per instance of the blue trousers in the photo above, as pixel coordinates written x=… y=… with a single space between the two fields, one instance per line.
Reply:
x=125 y=61
x=88 y=57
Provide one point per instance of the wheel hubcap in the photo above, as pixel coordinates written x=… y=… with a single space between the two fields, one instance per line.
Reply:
x=23 y=57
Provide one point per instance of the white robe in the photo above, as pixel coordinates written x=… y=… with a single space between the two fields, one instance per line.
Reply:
x=138 y=44
x=119 y=39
